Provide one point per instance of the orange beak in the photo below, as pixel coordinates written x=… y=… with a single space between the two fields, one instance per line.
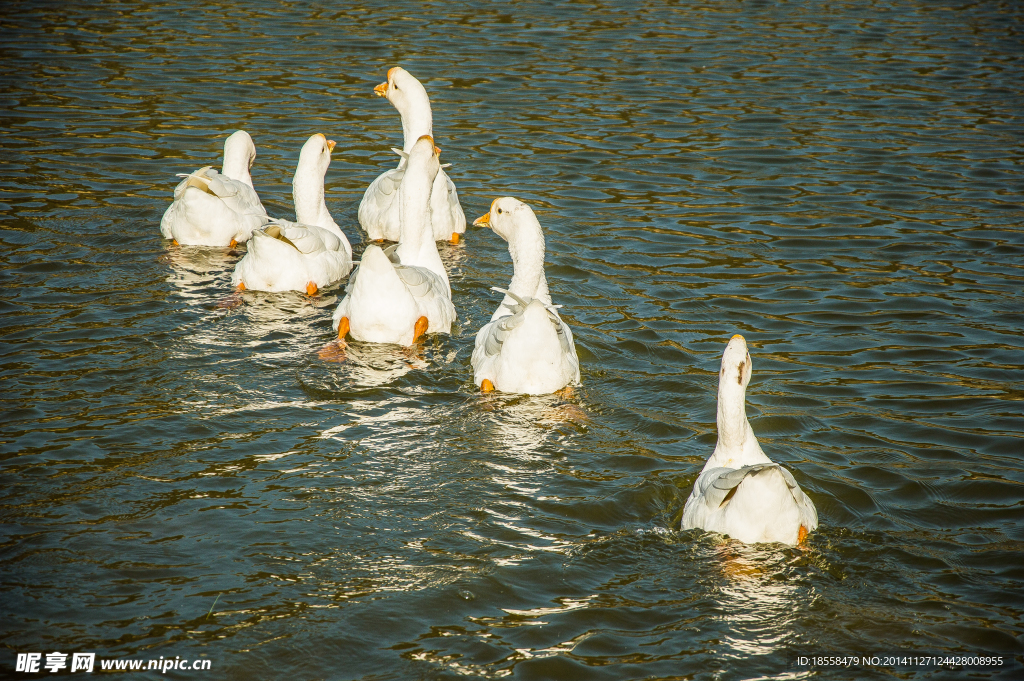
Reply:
x=330 y=145
x=485 y=220
x=382 y=89
x=437 y=150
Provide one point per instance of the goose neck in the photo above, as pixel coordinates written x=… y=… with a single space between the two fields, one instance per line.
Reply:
x=527 y=251
x=417 y=121
x=237 y=169
x=414 y=205
x=308 y=196
x=733 y=426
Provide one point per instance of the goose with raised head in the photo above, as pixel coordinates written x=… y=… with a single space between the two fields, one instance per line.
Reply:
x=741 y=492
x=213 y=208
x=379 y=213
x=305 y=255
x=397 y=295
x=526 y=347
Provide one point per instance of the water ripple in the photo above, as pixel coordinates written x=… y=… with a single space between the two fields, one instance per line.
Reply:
x=186 y=475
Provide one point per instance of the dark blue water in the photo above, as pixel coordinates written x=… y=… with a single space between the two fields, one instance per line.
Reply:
x=839 y=182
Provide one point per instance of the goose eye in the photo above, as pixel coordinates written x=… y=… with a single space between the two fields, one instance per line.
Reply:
x=499 y=210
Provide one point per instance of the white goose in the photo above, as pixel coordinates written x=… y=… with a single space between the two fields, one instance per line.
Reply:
x=378 y=211
x=305 y=255
x=526 y=347
x=217 y=209
x=396 y=296
x=740 y=492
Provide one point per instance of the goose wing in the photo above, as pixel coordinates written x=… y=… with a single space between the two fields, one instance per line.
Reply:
x=717 y=484
x=518 y=306
x=392 y=255
x=390 y=181
x=501 y=329
x=430 y=293
x=384 y=190
x=458 y=216
x=563 y=331
x=421 y=282
x=238 y=196
x=306 y=239
x=197 y=179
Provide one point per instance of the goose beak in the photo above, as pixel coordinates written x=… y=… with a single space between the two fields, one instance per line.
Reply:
x=330 y=145
x=485 y=220
x=437 y=150
x=382 y=89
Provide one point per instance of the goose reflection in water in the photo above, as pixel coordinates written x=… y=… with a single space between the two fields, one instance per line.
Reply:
x=525 y=435
x=278 y=324
x=523 y=424
x=761 y=606
x=452 y=256
x=289 y=317
x=200 y=275
x=371 y=365
x=396 y=467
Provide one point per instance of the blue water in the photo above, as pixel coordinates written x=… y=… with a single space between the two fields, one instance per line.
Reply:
x=839 y=182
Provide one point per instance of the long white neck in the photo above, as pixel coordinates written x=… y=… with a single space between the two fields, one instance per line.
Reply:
x=527 y=250
x=236 y=165
x=733 y=427
x=308 y=195
x=737 y=445
x=417 y=120
x=416 y=235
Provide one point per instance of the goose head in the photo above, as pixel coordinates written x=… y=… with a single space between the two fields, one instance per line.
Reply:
x=424 y=154
x=315 y=156
x=239 y=154
x=409 y=97
x=507 y=218
x=733 y=428
x=403 y=90
x=516 y=223
x=736 y=367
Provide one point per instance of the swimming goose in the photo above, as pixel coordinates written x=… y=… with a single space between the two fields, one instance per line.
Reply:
x=217 y=209
x=740 y=492
x=526 y=347
x=305 y=255
x=378 y=211
x=397 y=295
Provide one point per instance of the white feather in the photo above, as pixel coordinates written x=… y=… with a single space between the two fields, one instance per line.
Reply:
x=378 y=211
x=212 y=208
x=526 y=347
x=288 y=256
x=741 y=492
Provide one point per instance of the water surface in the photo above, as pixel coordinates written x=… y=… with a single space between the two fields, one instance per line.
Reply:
x=839 y=182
